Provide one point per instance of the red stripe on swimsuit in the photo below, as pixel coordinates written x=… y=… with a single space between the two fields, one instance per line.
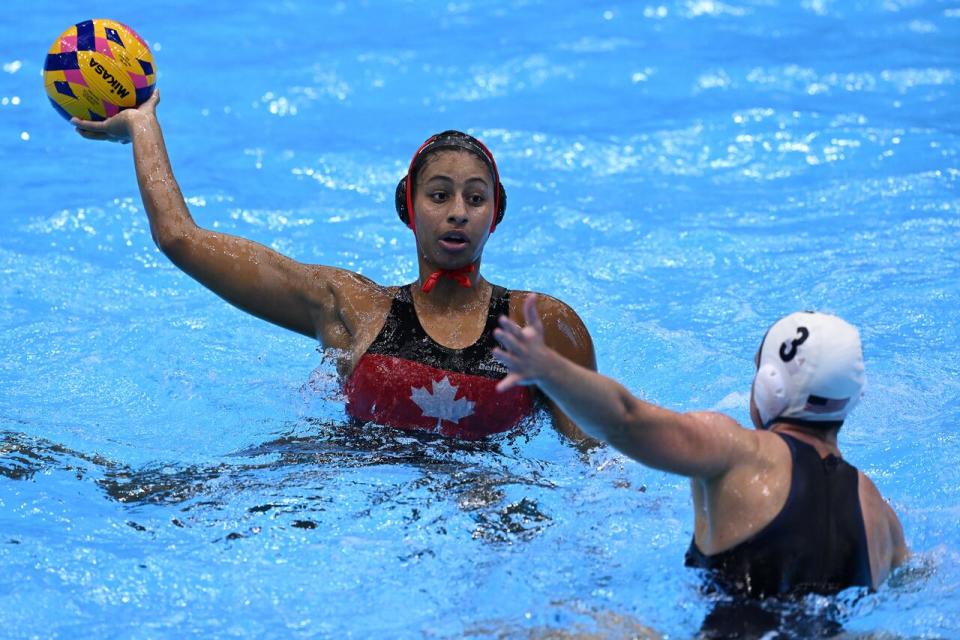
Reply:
x=408 y=381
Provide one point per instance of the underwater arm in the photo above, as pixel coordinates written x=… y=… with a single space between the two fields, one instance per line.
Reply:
x=696 y=445
x=249 y=275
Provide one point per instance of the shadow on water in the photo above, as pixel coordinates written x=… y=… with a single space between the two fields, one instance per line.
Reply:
x=772 y=618
x=808 y=616
x=22 y=457
x=441 y=476
x=475 y=476
x=579 y=623
x=286 y=477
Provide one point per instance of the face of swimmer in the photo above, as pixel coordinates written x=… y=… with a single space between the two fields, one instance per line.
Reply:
x=453 y=203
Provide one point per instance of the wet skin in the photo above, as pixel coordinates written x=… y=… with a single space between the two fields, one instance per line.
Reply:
x=740 y=478
x=453 y=209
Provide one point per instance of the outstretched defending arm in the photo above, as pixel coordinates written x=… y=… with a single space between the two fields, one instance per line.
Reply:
x=700 y=445
x=251 y=276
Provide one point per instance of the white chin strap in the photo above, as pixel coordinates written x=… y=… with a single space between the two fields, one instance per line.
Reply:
x=769 y=393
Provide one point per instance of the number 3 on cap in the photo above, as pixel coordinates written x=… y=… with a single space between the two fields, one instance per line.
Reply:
x=802 y=335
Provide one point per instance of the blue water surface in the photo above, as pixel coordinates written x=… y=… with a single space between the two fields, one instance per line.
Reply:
x=682 y=173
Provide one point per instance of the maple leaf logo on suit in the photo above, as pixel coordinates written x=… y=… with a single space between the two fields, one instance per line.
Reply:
x=440 y=402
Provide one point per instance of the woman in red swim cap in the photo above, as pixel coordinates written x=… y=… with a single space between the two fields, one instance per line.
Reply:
x=415 y=357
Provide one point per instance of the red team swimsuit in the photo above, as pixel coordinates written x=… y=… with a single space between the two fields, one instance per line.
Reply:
x=408 y=381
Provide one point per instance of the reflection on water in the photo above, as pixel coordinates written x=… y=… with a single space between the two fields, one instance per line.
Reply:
x=292 y=478
x=584 y=624
x=318 y=485
x=22 y=457
x=772 y=618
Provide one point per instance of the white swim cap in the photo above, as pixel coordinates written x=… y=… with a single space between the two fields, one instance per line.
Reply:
x=810 y=368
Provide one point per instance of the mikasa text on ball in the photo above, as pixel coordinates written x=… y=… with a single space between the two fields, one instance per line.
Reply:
x=96 y=68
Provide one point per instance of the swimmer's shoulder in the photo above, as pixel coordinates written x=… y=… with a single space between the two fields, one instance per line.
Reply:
x=747 y=447
x=351 y=288
x=563 y=329
x=349 y=307
x=549 y=308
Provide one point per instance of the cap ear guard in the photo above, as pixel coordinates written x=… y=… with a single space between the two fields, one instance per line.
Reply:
x=400 y=199
x=501 y=205
x=769 y=394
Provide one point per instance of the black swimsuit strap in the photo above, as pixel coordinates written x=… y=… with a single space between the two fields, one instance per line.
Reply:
x=403 y=336
x=404 y=310
x=499 y=306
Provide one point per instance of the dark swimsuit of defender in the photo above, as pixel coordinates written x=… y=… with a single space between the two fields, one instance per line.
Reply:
x=406 y=380
x=817 y=543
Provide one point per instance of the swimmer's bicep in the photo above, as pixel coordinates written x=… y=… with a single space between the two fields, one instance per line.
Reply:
x=701 y=444
x=900 y=550
x=872 y=500
x=263 y=281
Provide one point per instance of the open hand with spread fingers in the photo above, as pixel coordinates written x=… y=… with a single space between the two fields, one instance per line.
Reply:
x=522 y=349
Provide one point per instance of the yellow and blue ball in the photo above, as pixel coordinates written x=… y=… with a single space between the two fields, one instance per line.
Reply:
x=96 y=68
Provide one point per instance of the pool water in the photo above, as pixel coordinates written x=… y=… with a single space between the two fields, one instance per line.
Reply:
x=681 y=173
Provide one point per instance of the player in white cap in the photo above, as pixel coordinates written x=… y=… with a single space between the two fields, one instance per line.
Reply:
x=776 y=509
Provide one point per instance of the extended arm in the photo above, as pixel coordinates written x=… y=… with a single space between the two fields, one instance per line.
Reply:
x=303 y=298
x=696 y=445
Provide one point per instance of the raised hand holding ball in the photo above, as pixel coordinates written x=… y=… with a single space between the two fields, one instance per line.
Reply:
x=96 y=68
